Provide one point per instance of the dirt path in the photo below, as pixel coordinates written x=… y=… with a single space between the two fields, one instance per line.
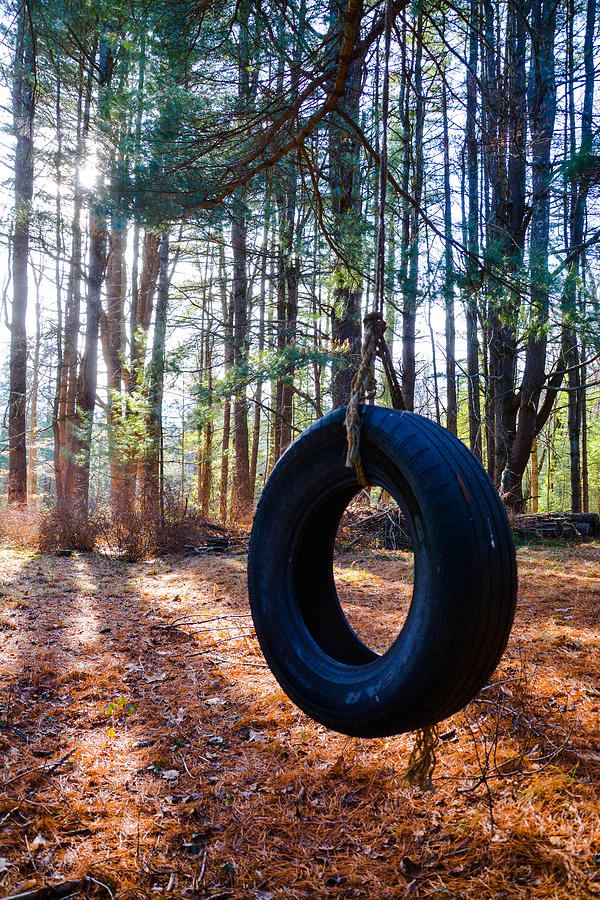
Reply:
x=145 y=745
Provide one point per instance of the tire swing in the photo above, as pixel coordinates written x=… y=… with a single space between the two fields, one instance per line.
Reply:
x=465 y=583
x=464 y=576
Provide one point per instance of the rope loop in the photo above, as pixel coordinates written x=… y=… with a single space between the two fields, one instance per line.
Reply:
x=364 y=385
x=374 y=344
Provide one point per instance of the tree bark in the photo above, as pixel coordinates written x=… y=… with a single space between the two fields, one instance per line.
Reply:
x=32 y=481
x=208 y=427
x=241 y=482
x=227 y=317
x=152 y=494
x=578 y=201
x=261 y=347
x=345 y=202
x=541 y=99
x=79 y=461
x=472 y=281
x=23 y=123
x=112 y=330
x=451 y=402
x=239 y=237
x=65 y=405
x=411 y=282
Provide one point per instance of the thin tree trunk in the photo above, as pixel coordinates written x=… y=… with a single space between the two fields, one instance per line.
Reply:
x=542 y=111
x=472 y=280
x=585 y=483
x=65 y=416
x=261 y=347
x=88 y=376
x=208 y=428
x=451 y=404
x=23 y=119
x=411 y=284
x=135 y=288
x=152 y=497
x=79 y=460
x=243 y=495
x=535 y=482
x=345 y=200
x=436 y=392
x=578 y=198
x=227 y=317
x=112 y=329
x=239 y=237
x=33 y=402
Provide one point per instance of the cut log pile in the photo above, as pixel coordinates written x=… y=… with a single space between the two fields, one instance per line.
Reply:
x=562 y=525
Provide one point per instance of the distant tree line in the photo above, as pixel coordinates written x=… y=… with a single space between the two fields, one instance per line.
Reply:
x=193 y=210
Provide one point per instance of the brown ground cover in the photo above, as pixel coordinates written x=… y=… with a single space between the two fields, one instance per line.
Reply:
x=145 y=747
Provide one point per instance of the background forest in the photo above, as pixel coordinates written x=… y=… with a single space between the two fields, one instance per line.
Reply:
x=189 y=212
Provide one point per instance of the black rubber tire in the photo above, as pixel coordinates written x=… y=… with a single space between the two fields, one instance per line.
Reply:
x=465 y=576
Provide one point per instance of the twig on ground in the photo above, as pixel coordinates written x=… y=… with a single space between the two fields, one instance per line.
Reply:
x=51 y=892
x=44 y=771
x=184 y=763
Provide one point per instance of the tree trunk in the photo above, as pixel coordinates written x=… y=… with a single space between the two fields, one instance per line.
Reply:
x=411 y=282
x=152 y=500
x=65 y=415
x=33 y=402
x=287 y=311
x=112 y=329
x=239 y=237
x=261 y=347
x=241 y=482
x=472 y=280
x=451 y=404
x=88 y=373
x=535 y=477
x=578 y=202
x=344 y=150
x=542 y=110
x=208 y=427
x=135 y=286
x=585 y=484
x=79 y=461
x=23 y=119
x=227 y=317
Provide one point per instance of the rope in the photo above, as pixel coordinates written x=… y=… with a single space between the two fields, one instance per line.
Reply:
x=383 y=165
x=422 y=759
x=361 y=383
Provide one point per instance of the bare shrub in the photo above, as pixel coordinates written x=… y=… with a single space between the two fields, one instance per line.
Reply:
x=192 y=531
x=19 y=527
x=62 y=529
x=130 y=535
x=182 y=530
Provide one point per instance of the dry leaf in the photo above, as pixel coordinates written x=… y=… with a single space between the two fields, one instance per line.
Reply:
x=37 y=843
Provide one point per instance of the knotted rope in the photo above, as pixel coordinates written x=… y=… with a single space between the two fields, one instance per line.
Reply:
x=422 y=760
x=373 y=344
x=362 y=383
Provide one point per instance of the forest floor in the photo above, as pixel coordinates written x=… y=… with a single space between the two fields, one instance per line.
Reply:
x=146 y=748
